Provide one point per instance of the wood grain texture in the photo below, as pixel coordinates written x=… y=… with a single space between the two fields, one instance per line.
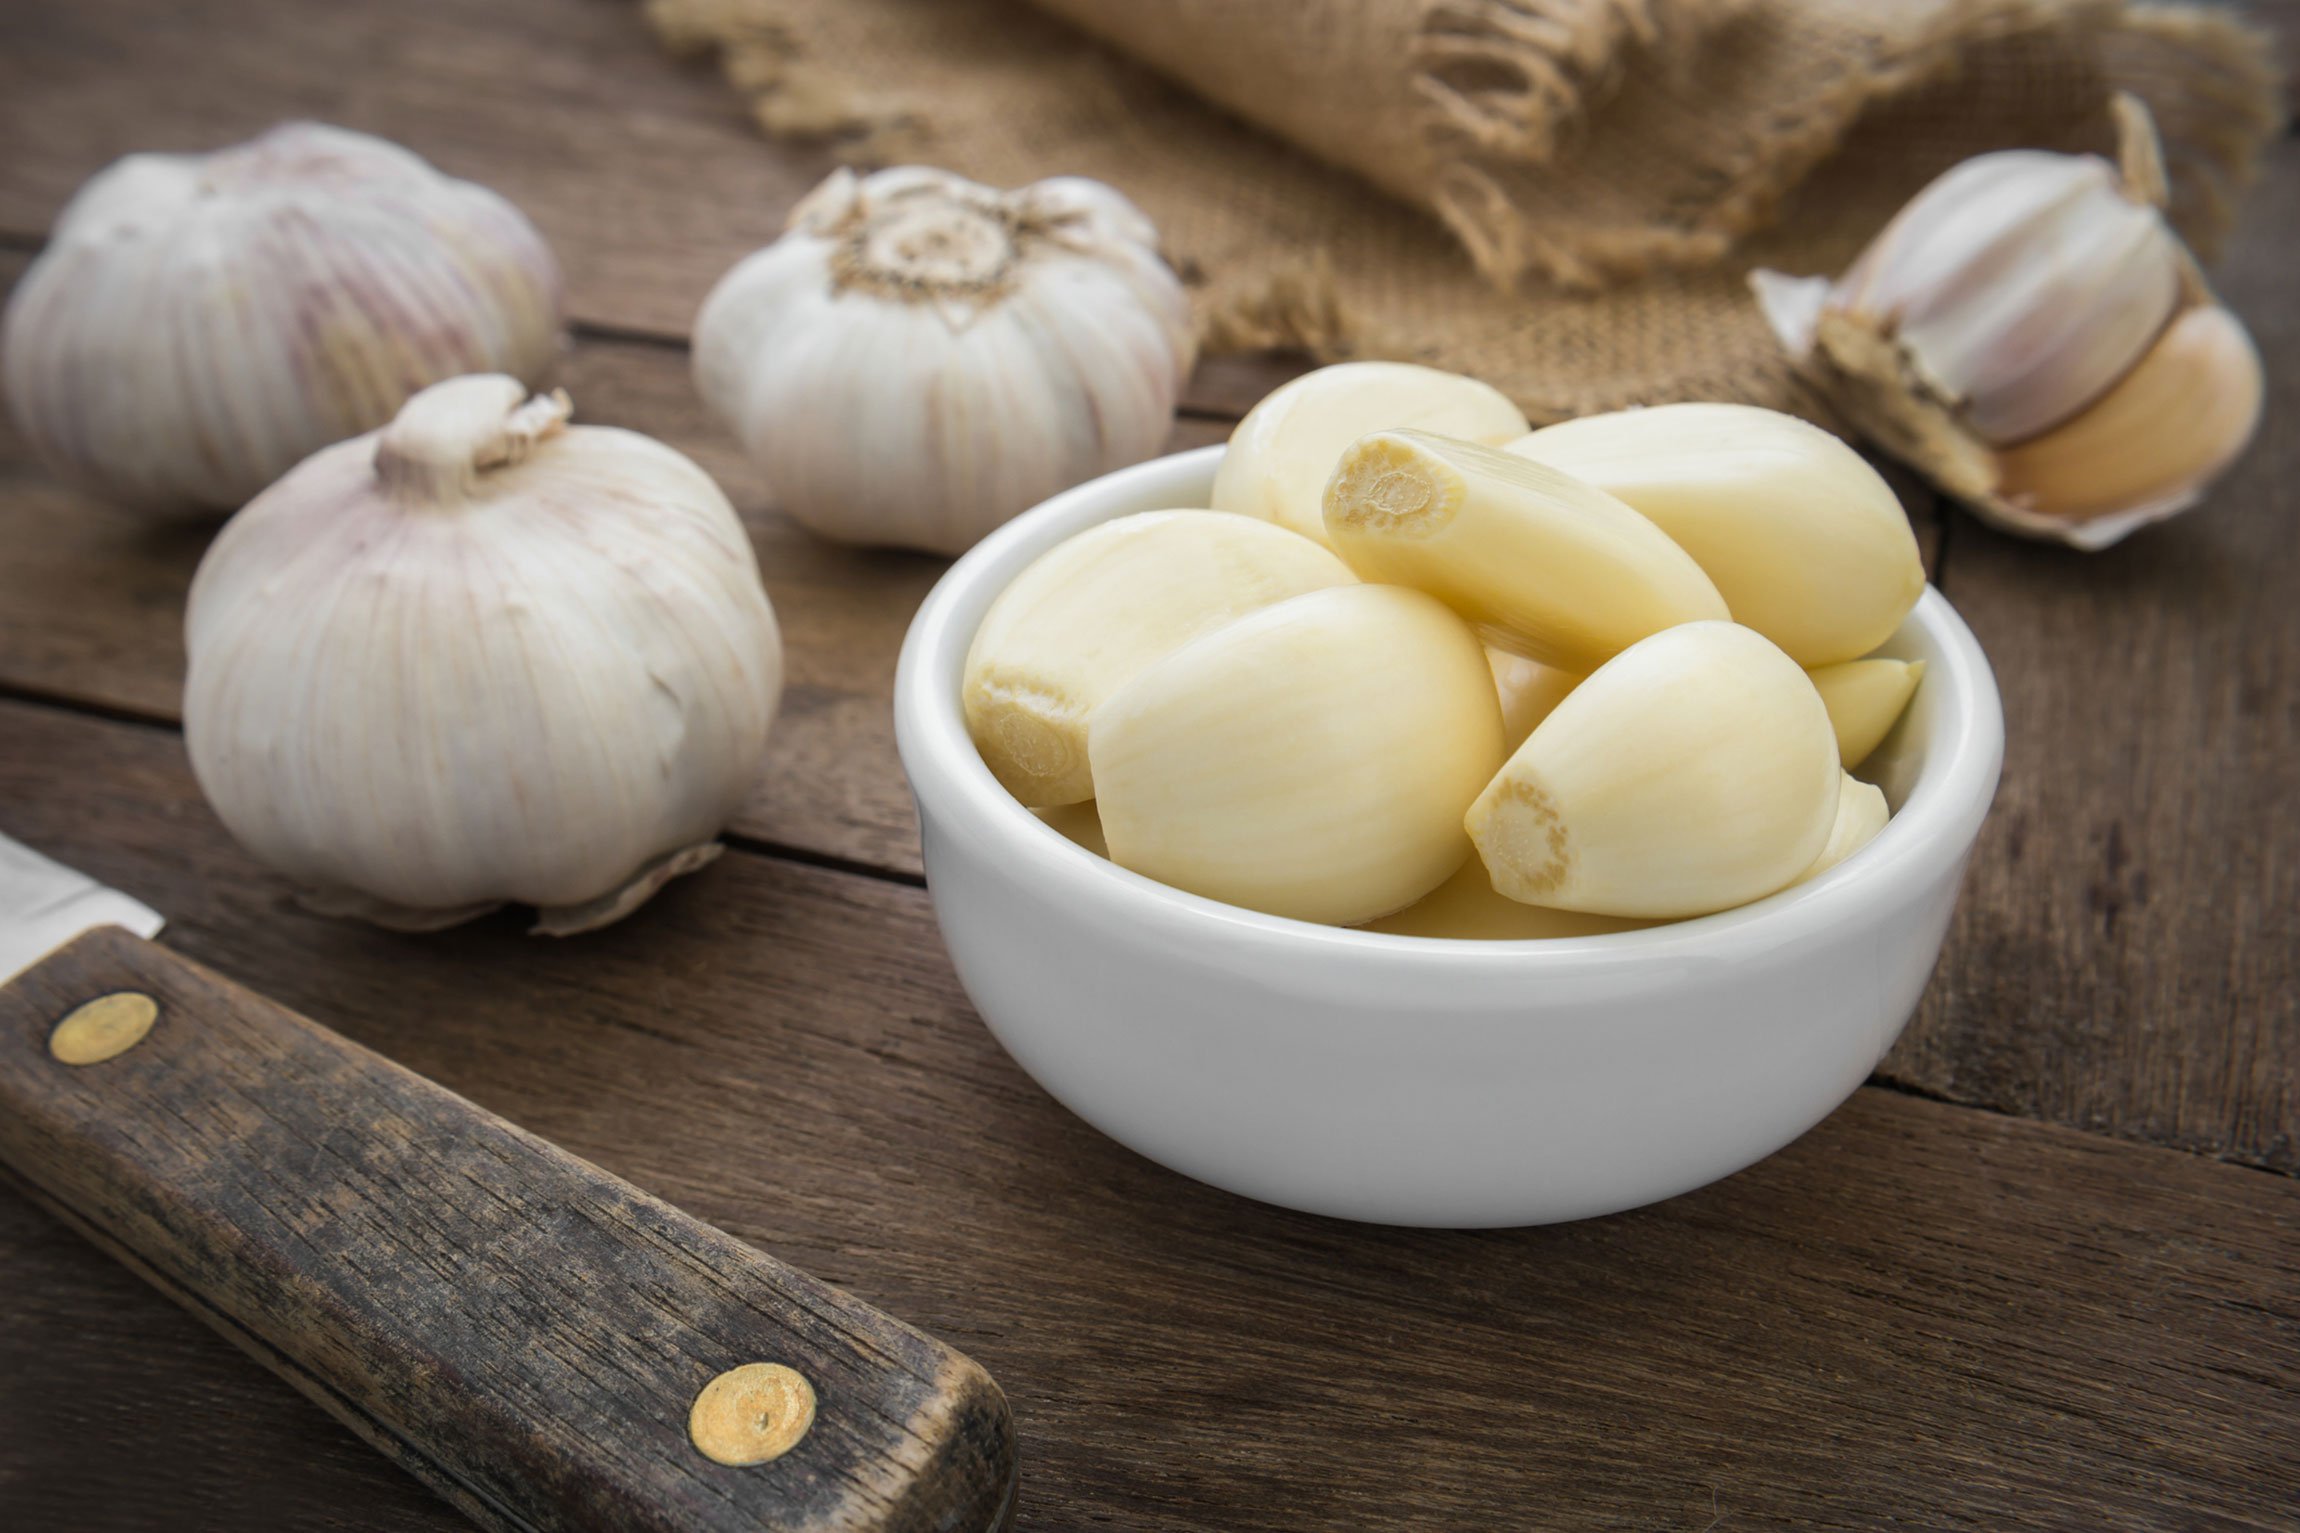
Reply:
x=516 y=1328
x=1919 y=1314
x=2125 y=957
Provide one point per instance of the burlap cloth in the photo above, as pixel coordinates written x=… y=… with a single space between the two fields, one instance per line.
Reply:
x=1594 y=177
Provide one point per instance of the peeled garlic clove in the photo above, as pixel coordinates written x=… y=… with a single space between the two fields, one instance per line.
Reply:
x=920 y=357
x=1529 y=692
x=1861 y=813
x=1283 y=452
x=1078 y=823
x=1542 y=564
x=1088 y=614
x=199 y=324
x=2150 y=446
x=1466 y=908
x=1865 y=698
x=1804 y=540
x=481 y=656
x=1693 y=772
x=1311 y=759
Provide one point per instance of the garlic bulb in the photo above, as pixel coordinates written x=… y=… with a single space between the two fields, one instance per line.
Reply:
x=920 y=358
x=1806 y=543
x=1098 y=607
x=2030 y=334
x=1693 y=772
x=482 y=656
x=199 y=324
x=1288 y=446
x=1540 y=563
x=1311 y=759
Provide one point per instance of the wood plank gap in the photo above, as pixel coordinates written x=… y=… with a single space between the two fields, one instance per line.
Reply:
x=625 y=335
x=828 y=861
x=16 y=692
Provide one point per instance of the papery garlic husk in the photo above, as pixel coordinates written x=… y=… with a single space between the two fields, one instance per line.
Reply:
x=1098 y=607
x=1865 y=699
x=1529 y=692
x=920 y=357
x=478 y=657
x=199 y=324
x=1540 y=563
x=1805 y=541
x=1693 y=772
x=1283 y=453
x=1861 y=813
x=1467 y=908
x=1311 y=759
x=2013 y=302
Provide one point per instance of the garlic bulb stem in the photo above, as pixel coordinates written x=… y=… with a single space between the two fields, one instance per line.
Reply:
x=451 y=435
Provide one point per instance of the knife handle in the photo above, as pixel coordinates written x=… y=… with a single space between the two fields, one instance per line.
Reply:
x=518 y=1329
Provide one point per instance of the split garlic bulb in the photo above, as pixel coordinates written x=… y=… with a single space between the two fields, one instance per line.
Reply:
x=482 y=656
x=199 y=324
x=2031 y=335
x=920 y=358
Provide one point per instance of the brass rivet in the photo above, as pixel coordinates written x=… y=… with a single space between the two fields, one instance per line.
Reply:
x=104 y=1028
x=751 y=1414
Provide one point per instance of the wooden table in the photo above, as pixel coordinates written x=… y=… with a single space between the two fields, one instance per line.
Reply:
x=2041 y=1271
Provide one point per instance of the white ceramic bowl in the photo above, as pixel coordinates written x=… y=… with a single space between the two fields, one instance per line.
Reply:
x=1417 y=1080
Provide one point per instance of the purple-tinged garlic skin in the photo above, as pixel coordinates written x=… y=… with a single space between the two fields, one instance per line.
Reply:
x=199 y=324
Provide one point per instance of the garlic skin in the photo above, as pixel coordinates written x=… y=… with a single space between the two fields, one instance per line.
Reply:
x=1805 y=541
x=1288 y=446
x=1865 y=699
x=1540 y=563
x=2031 y=335
x=920 y=358
x=479 y=657
x=1694 y=772
x=199 y=324
x=1097 y=608
x=1311 y=759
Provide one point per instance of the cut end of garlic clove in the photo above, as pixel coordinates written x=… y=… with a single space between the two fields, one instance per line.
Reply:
x=1284 y=452
x=1091 y=612
x=449 y=436
x=1865 y=699
x=1694 y=772
x=1542 y=564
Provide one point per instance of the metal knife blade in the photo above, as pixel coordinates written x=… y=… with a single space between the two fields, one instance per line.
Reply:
x=44 y=905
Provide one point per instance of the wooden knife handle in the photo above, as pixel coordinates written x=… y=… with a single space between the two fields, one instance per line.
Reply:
x=523 y=1332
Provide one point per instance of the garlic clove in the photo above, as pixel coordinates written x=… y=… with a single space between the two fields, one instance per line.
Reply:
x=1529 y=692
x=1466 y=908
x=1693 y=772
x=199 y=324
x=1865 y=698
x=1540 y=563
x=1861 y=813
x=1077 y=823
x=920 y=358
x=1091 y=612
x=1311 y=759
x=1804 y=540
x=1286 y=449
x=2151 y=445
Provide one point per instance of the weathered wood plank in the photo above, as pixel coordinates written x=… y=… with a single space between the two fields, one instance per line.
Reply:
x=1919 y=1313
x=2125 y=957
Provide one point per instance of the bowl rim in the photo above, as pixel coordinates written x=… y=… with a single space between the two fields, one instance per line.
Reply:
x=1936 y=824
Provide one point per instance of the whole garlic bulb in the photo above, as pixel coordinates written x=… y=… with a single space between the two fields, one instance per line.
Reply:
x=482 y=656
x=920 y=358
x=199 y=324
x=2030 y=334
